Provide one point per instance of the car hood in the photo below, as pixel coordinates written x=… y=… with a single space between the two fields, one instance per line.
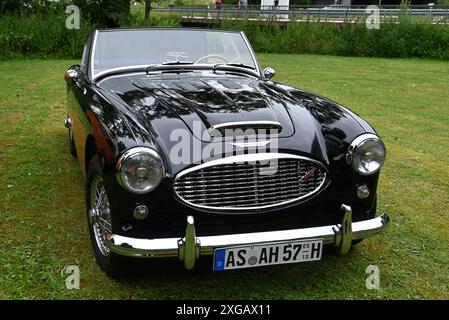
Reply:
x=160 y=105
x=204 y=102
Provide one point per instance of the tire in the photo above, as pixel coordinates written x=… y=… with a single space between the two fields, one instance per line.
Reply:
x=72 y=144
x=110 y=262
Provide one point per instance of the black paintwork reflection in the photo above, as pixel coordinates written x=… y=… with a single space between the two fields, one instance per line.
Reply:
x=323 y=110
x=207 y=98
x=338 y=125
x=152 y=107
x=136 y=110
x=114 y=123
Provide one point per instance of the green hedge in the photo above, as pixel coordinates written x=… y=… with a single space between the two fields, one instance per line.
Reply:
x=406 y=39
x=40 y=35
x=46 y=35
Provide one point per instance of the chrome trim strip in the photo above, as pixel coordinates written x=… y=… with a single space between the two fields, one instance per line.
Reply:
x=168 y=247
x=365 y=136
x=249 y=158
x=250 y=144
x=243 y=124
x=92 y=56
x=131 y=74
x=130 y=68
x=253 y=55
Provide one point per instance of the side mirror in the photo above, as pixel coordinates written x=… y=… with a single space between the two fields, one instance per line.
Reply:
x=70 y=74
x=269 y=73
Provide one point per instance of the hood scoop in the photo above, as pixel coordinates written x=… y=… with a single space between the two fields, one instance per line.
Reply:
x=215 y=105
x=245 y=128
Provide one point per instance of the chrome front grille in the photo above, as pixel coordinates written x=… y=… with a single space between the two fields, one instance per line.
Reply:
x=250 y=182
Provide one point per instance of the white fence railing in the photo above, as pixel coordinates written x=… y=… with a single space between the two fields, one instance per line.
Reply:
x=432 y=14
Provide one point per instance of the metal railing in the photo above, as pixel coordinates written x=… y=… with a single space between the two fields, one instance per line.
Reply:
x=331 y=13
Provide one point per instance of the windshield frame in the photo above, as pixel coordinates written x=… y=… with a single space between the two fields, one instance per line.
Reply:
x=133 y=68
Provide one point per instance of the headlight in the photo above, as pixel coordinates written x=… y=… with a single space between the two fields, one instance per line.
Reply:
x=367 y=154
x=140 y=170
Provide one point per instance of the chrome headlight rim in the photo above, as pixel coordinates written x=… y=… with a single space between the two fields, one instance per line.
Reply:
x=359 y=141
x=130 y=153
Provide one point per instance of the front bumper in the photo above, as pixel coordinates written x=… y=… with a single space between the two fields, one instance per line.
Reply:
x=190 y=247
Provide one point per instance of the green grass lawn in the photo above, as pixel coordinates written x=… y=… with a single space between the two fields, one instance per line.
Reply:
x=42 y=212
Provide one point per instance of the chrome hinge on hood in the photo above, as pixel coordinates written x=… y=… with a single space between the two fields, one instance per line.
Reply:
x=219 y=129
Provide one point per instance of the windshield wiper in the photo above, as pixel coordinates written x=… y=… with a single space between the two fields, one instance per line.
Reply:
x=154 y=67
x=232 y=65
x=240 y=65
x=161 y=65
x=174 y=63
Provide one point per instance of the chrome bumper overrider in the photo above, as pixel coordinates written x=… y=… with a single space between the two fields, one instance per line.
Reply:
x=190 y=247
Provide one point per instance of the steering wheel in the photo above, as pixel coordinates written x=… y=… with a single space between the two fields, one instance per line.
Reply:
x=213 y=56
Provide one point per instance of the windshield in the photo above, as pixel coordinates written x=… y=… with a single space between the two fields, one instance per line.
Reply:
x=145 y=47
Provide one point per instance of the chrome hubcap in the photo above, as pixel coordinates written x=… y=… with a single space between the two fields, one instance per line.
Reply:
x=100 y=214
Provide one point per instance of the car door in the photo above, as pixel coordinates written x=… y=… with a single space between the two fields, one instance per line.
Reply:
x=77 y=104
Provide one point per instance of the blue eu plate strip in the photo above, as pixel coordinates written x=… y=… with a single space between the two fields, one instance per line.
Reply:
x=219 y=259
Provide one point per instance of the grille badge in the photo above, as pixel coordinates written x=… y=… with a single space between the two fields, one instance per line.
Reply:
x=308 y=174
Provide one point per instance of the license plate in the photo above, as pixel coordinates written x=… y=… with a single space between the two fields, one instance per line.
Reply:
x=267 y=254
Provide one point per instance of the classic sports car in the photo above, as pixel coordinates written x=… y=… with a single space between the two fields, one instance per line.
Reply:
x=190 y=149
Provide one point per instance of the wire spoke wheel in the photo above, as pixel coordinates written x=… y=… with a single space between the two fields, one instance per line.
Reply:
x=101 y=214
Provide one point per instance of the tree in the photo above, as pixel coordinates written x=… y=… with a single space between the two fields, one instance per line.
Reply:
x=106 y=13
x=147 y=8
x=10 y=6
x=31 y=6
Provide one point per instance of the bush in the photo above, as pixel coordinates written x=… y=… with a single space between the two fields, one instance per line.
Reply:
x=40 y=35
x=46 y=35
x=156 y=19
x=392 y=40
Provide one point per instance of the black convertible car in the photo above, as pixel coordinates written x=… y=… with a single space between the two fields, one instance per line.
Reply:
x=190 y=149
